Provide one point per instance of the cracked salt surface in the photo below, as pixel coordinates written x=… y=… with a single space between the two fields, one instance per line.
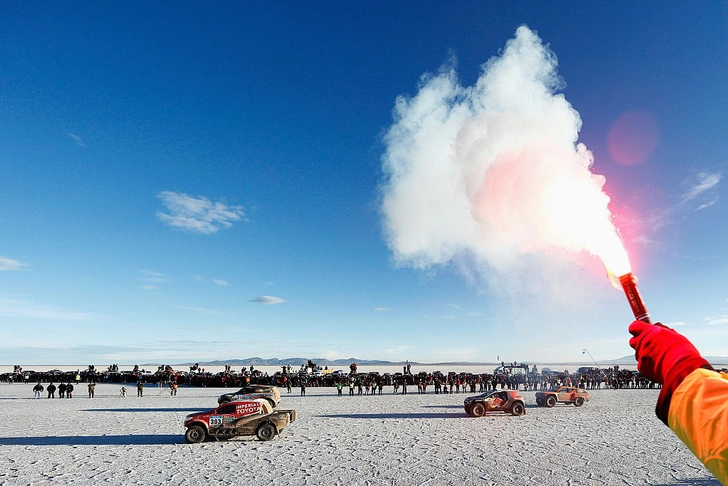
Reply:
x=361 y=440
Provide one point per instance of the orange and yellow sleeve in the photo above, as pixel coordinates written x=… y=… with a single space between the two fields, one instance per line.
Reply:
x=699 y=417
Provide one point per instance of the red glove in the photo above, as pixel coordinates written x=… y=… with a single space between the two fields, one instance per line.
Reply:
x=664 y=356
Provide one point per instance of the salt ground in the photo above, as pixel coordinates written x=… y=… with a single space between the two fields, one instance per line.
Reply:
x=368 y=440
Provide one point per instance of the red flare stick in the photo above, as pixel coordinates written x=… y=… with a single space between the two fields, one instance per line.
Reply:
x=629 y=284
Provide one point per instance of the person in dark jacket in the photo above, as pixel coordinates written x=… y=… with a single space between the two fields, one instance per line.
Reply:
x=69 y=390
x=37 y=390
x=51 y=390
x=62 y=390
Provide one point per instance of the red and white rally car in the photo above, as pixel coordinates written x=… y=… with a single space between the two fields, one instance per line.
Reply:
x=250 y=417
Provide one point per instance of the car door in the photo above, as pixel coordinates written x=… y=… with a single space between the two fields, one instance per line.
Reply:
x=564 y=394
x=224 y=415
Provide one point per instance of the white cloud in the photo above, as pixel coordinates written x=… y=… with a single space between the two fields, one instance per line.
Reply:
x=27 y=310
x=78 y=140
x=703 y=182
x=152 y=279
x=221 y=282
x=427 y=316
x=381 y=309
x=267 y=300
x=699 y=194
x=201 y=310
x=10 y=264
x=717 y=321
x=399 y=349
x=197 y=214
x=459 y=354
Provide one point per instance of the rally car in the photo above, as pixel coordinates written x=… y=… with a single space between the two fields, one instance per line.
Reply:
x=250 y=417
x=252 y=392
x=509 y=401
x=562 y=394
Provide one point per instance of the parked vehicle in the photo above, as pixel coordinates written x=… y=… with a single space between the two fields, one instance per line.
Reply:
x=250 y=417
x=562 y=394
x=252 y=392
x=508 y=401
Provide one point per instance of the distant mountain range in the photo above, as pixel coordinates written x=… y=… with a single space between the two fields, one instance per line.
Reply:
x=257 y=361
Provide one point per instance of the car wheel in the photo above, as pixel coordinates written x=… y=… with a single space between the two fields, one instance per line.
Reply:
x=195 y=434
x=518 y=408
x=266 y=431
x=469 y=410
x=550 y=401
x=578 y=402
x=272 y=403
x=478 y=410
x=539 y=402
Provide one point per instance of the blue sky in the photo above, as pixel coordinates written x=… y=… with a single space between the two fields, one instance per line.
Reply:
x=184 y=182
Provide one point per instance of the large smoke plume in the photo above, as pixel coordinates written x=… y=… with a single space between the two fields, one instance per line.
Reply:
x=491 y=177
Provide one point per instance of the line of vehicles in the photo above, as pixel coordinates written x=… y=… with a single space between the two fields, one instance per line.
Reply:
x=511 y=401
x=252 y=410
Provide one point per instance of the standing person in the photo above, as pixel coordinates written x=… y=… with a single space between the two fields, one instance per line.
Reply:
x=338 y=388
x=303 y=388
x=91 y=388
x=173 y=388
x=69 y=390
x=51 y=390
x=37 y=390
x=351 y=388
x=693 y=400
x=61 y=390
x=288 y=385
x=140 y=388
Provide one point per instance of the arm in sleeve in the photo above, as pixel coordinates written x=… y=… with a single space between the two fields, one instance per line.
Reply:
x=699 y=417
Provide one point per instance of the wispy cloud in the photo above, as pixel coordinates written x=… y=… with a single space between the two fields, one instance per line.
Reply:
x=78 y=140
x=151 y=276
x=399 y=349
x=197 y=214
x=220 y=282
x=200 y=310
x=381 y=309
x=151 y=279
x=700 y=185
x=699 y=194
x=27 y=310
x=428 y=316
x=10 y=264
x=267 y=300
x=717 y=321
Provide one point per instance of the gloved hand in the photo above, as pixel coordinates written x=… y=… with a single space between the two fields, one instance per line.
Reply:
x=665 y=356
